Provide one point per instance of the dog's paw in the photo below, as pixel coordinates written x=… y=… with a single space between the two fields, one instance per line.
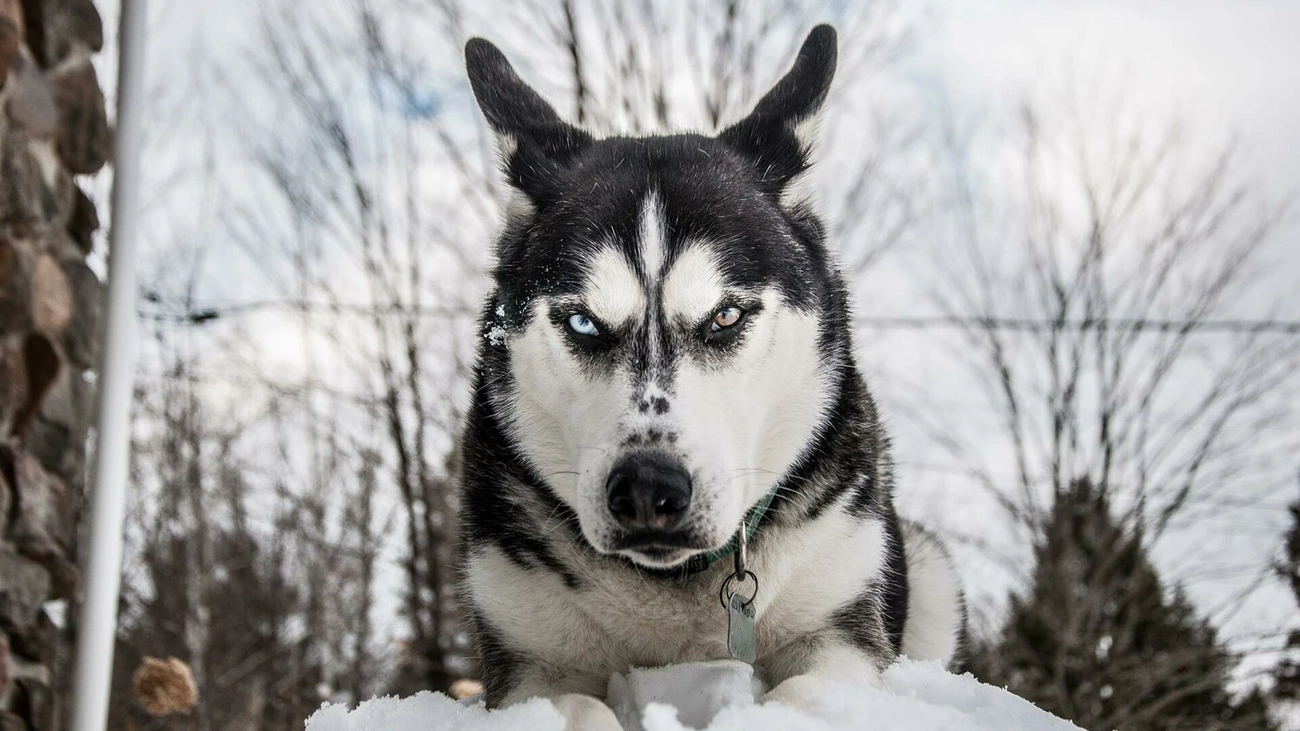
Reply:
x=585 y=713
x=803 y=691
x=797 y=692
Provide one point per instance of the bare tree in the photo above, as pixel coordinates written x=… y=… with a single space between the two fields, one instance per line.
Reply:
x=284 y=601
x=1099 y=312
x=1108 y=315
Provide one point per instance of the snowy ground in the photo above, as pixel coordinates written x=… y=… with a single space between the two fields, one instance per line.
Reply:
x=916 y=697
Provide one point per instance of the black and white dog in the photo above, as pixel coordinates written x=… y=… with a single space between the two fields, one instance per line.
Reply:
x=666 y=372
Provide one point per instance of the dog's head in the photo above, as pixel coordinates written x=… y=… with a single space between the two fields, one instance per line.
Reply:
x=662 y=342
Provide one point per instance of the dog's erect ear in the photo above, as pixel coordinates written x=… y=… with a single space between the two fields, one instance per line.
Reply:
x=534 y=141
x=778 y=135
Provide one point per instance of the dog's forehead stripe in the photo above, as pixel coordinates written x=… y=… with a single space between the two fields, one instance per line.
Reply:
x=694 y=284
x=613 y=291
x=651 y=235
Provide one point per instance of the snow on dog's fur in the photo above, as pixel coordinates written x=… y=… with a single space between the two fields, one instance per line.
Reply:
x=667 y=344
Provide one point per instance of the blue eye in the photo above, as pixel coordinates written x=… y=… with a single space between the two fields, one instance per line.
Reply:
x=582 y=325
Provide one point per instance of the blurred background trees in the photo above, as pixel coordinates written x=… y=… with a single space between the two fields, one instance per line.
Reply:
x=320 y=243
x=1287 y=672
x=1099 y=638
x=1094 y=309
x=293 y=538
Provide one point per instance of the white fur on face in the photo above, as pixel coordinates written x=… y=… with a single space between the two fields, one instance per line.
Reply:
x=566 y=418
x=652 y=237
x=613 y=292
x=743 y=424
x=740 y=421
x=693 y=287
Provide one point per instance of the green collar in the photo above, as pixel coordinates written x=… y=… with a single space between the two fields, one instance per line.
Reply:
x=703 y=561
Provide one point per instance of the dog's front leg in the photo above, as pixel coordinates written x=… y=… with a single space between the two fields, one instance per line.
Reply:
x=581 y=711
x=585 y=713
x=808 y=670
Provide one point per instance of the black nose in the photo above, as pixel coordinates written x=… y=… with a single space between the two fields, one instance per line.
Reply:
x=648 y=492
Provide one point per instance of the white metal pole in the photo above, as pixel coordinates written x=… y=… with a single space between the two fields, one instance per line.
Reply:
x=97 y=630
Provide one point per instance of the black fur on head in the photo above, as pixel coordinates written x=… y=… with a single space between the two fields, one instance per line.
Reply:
x=536 y=144
x=771 y=136
x=580 y=190
x=534 y=141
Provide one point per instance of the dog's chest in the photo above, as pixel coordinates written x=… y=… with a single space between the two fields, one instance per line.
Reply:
x=618 y=619
x=655 y=623
x=614 y=620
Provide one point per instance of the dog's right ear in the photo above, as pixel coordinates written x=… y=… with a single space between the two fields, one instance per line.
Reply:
x=779 y=135
x=534 y=142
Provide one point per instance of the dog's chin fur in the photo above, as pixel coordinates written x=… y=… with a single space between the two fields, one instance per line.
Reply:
x=665 y=553
x=611 y=540
x=660 y=559
x=648 y=239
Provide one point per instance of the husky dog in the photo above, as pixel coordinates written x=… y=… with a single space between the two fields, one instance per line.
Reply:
x=665 y=382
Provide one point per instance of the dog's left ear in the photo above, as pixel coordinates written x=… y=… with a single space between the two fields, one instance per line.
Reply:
x=778 y=135
x=533 y=140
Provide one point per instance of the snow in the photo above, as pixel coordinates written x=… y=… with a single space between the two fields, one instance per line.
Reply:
x=915 y=696
x=497 y=335
x=697 y=692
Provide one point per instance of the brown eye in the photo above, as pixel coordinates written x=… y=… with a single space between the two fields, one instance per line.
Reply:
x=723 y=321
x=724 y=326
x=726 y=317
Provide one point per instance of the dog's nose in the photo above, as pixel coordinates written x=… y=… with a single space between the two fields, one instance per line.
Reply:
x=648 y=492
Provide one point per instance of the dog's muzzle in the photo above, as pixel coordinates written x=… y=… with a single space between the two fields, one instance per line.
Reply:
x=648 y=493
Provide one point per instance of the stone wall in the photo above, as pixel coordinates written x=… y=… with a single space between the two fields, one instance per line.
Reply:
x=52 y=129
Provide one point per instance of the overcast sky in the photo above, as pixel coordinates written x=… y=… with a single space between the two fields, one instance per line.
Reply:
x=1231 y=66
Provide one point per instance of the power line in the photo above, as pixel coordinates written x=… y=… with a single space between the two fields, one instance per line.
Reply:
x=195 y=315
x=1122 y=324
x=192 y=314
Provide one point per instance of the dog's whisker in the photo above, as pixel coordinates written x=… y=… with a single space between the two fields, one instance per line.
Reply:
x=560 y=472
x=754 y=469
x=750 y=473
x=553 y=528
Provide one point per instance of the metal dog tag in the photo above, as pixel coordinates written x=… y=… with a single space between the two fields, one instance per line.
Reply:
x=740 y=628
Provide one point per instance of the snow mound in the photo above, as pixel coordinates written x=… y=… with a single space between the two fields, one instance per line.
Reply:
x=916 y=696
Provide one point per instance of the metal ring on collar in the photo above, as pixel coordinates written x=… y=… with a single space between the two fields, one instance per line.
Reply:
x=723 y=595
